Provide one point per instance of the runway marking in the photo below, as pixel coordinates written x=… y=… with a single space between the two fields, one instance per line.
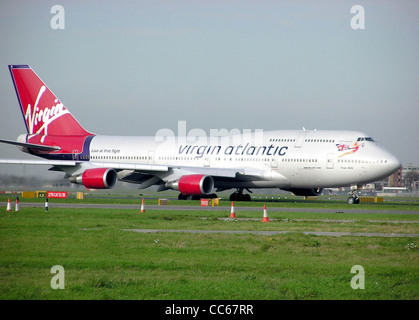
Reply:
x=271 y=233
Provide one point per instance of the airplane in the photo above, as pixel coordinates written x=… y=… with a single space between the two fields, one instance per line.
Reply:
x=303 y=162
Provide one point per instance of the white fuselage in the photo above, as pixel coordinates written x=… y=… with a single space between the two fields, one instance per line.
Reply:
x=283 y=159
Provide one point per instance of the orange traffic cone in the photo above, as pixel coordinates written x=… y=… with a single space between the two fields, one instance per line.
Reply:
x=17 y=204
x=232 y=213
x=142 y=206
x=265 y=214
x=9 y=206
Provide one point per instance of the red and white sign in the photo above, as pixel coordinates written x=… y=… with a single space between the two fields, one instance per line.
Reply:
x=205 y=202
x=57 y=194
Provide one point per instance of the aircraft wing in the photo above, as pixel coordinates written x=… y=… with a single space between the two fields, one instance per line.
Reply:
x=175 y=171
x=147 y=175
x=69 y=163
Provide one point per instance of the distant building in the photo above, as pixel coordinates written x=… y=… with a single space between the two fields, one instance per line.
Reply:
x=411 y=182
x=409 y=168
x=396 y=180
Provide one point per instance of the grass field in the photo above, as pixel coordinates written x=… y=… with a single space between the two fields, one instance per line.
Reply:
x=102 y=261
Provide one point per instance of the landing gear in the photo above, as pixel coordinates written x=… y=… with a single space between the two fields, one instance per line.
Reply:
x=354 y=199
x=239 y=196
x=182 y=196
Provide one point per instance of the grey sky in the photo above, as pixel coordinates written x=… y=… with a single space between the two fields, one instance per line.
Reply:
x=134 y=67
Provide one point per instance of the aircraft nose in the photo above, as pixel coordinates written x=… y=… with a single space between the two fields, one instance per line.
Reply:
x=393 y=164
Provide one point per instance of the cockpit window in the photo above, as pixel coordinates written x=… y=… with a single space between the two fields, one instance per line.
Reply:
x=365 y=139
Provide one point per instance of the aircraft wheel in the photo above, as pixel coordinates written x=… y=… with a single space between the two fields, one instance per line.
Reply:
x=236 y=196
x=351 y=200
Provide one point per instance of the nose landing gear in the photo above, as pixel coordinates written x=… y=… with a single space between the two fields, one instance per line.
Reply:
x=354 y=198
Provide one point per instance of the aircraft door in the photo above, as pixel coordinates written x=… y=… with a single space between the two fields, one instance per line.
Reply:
x=300 y=139
x=150 y=158
x=75 y=155
x=206 y=162
x=274 y=162
x=330 y=161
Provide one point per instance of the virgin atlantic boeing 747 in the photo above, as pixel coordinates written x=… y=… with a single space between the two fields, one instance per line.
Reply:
x=303 y=162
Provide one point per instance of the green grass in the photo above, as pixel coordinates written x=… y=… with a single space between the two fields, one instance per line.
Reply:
x=102 y=261
x=289 y=201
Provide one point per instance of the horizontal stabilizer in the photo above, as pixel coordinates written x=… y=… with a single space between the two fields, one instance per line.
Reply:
x=32 y=145
x=39 y=162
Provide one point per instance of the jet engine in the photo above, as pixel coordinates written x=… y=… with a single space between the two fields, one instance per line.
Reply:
x=99 y=178
x=194 y=184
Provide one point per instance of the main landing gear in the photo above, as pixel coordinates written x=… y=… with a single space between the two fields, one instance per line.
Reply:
x=239 y=196
x=354 y=198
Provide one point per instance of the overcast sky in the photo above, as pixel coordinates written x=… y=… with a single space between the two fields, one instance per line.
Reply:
x=134 y=67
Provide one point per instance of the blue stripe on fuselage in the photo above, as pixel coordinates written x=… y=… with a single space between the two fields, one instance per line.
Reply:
x=83 y=156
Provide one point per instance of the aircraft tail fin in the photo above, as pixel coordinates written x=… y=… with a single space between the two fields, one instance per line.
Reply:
x=43 y=112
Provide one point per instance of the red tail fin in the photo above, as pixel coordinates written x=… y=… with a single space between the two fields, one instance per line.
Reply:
x=43 y=112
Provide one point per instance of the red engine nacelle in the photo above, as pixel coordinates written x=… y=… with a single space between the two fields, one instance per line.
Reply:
x=194 y=184
x=99 y=178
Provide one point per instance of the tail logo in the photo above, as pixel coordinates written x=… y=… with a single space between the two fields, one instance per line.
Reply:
x=40 y=118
